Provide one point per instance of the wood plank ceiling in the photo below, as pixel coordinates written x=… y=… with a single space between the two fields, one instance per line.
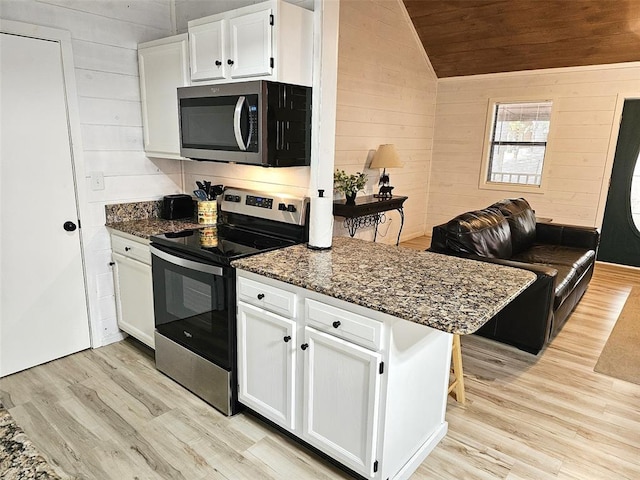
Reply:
x=470 y=37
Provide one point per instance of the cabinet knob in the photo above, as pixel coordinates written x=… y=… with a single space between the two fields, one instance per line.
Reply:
x=111 y=264
x=287 y=338
x=304 y=346
x=218 y=63
x=260 y=296
x=229 y=62
x=336 y=324
x=126 y=249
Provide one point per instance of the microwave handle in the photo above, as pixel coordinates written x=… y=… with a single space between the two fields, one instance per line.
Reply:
x=237 y=130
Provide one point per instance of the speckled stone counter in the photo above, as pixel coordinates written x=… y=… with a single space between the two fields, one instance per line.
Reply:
x=19 y=458
x=152 y=226
x=452 y=294
x=142 y=219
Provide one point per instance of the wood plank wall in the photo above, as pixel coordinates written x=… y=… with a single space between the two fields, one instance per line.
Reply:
x=386 y=94
x=579 y=144
x=105 y=36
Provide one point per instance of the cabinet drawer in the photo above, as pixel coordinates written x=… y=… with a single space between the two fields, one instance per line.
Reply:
x=131 y=249
x=265 y=296
x=344 y=324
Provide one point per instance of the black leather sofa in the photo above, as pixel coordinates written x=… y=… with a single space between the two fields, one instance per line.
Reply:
x=561 y=256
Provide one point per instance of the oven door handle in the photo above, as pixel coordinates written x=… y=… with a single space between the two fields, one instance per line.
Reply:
x=183 y=262
x=237 y=128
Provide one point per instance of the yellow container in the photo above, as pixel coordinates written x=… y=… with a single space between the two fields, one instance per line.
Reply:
x=208 y=212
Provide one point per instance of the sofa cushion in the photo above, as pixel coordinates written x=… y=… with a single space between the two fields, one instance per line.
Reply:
x=571 y=263
x=483 y=232
x=522 y=222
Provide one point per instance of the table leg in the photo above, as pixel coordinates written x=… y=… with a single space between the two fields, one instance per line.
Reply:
x=401 y=210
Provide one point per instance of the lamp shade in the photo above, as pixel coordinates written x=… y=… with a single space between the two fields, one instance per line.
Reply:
x=386 y=157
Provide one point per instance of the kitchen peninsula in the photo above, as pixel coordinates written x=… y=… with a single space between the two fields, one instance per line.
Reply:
x=348 y=349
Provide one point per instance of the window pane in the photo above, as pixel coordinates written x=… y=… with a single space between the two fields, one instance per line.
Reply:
x=524 y=128
x=635 y=194
x=517 y=164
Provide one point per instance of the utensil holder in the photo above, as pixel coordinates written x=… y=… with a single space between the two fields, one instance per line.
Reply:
x=208 y=212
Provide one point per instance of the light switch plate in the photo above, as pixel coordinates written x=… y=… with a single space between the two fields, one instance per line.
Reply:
x=97 y=181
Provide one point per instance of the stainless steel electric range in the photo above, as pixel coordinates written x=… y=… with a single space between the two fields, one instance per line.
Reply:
x=194 y=288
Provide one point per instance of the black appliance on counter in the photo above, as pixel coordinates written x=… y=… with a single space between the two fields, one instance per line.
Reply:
x=257 y=123
x=194 y=291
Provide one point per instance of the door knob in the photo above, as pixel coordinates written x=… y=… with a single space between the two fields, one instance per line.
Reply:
x=69 y=226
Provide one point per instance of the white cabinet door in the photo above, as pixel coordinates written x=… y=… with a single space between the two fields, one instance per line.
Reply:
x=134 y=298
x=266 y=363
x=163 y=68
x=250 y=45
x=207 y=46
x=342 y=391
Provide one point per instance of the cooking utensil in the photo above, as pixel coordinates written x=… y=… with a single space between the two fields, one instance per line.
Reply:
x=201 y=195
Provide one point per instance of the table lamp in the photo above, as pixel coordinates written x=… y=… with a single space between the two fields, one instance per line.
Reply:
x=385 y=157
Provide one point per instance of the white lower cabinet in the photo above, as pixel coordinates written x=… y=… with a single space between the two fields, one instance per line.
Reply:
x=365 y=388
x=341 y=397
x=266 y=363
x=133 y=287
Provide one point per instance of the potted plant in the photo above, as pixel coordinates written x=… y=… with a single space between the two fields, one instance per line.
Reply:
x=349 y=184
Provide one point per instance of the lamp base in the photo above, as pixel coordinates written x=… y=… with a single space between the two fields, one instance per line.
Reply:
x=384 y=192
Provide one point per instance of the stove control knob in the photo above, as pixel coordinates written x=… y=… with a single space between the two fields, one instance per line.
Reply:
x=282 y=206
x=236 y=198
x=291 y=208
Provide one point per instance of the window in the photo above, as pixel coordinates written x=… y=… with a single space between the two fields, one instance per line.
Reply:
x=518 y=143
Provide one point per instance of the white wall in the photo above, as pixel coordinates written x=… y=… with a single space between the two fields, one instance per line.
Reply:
x=579 y=152
x=105 y=36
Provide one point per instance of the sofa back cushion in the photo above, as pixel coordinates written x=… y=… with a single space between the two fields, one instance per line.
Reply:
x=483 y=232
x=522 y=222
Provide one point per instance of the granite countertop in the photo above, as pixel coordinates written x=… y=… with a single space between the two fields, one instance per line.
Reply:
x=452 y=294
x=142 y=219
x=147 y=227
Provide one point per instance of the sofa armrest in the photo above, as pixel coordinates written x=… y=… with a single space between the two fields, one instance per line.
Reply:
x=532 y=267
x=567 y=235
x=539 y=270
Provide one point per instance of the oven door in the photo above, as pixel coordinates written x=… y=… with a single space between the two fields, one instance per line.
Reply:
x=194 y=304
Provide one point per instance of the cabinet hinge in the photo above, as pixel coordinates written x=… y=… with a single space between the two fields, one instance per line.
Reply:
x=271 y=22
x=79 y=225
x=271 y=62
x=381 y=369
x=375 y=466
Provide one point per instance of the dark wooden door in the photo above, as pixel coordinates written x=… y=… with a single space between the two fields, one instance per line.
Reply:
x=620 y=240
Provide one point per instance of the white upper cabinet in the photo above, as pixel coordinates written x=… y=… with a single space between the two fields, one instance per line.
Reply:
x=271 y=40
x=164 y=66
x=207 y=51
x=250 y=47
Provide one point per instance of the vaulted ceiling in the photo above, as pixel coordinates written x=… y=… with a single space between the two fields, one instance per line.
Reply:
x=469 y=37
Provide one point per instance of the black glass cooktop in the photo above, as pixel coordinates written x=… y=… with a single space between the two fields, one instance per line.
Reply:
x=221 y=243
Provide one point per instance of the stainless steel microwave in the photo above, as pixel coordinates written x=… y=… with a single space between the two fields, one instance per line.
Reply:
x=257 y=123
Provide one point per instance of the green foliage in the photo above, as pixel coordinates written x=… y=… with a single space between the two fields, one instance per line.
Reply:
x=345 y=183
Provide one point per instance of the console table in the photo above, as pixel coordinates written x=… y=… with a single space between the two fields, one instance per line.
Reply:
x=368 y=211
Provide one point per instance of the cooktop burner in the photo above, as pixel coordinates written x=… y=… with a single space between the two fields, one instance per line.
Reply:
x=222 y=243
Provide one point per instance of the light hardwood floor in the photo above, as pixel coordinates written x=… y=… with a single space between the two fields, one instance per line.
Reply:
x=108 y=414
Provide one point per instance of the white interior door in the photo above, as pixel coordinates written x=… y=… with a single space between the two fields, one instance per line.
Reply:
x=43 y=310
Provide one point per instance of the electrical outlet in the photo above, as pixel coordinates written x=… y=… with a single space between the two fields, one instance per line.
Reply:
x=97 y=181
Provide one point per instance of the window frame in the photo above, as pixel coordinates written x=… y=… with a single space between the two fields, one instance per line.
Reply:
x=492 y=107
